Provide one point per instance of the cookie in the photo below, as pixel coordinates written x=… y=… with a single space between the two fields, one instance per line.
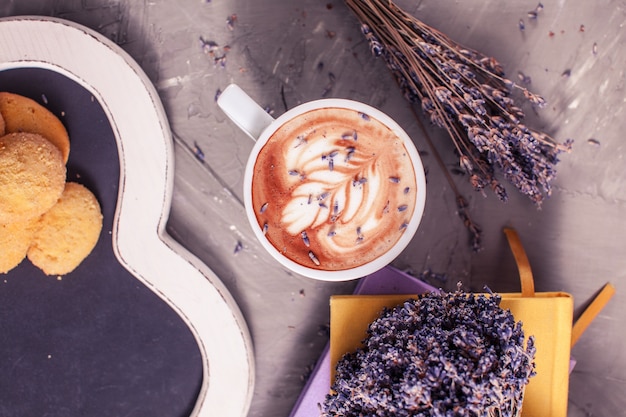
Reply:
x=15 y=239
x=22 y=114
x=32 y=176
x=68 y=232
x=2 y=131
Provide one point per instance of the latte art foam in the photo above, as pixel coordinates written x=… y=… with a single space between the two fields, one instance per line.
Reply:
x=333 y=189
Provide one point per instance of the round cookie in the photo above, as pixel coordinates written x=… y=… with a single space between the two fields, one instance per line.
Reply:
x=68 y=232
x=15 y=239
x=32 y=176
x=22 y=114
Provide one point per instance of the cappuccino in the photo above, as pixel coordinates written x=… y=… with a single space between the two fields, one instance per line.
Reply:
x=333 y=189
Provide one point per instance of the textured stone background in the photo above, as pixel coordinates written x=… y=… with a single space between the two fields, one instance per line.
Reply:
x=576 y=243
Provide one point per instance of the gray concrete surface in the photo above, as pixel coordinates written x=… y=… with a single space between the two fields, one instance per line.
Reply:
x=284 y=52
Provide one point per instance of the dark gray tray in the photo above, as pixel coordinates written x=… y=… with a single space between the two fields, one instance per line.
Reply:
x=96 y=342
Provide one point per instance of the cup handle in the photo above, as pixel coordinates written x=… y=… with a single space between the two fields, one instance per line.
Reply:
x=244 y=111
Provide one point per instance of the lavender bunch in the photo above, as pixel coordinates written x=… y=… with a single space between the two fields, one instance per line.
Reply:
x=448 y=354
x=465 y=93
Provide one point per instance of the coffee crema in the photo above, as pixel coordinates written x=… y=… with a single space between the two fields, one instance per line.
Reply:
x=333 y=189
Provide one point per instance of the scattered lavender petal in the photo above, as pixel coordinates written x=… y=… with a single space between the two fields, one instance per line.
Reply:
x=330 y=85
x=238 y=247
x=198 y=152
x=524 y=79
x=208 y=46
x=230 y=21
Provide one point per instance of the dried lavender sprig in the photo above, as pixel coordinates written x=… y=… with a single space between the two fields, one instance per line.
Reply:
x=443 y=354
x=465 y=93
x=462 y=205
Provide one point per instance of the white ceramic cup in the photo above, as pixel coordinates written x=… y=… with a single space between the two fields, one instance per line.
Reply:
x=253 y=120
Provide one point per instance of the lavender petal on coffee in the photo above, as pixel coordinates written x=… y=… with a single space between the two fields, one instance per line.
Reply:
x=305 y=239
x=359 y=181
x=314 y=258
x=359 y=235
x=350 y=135
x=350 y=150
x=386 y=208
x=300 y=140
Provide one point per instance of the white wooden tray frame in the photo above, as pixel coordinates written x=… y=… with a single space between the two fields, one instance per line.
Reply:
x=140 y=240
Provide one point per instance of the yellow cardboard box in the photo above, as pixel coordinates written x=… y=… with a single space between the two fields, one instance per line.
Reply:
x=548 y=316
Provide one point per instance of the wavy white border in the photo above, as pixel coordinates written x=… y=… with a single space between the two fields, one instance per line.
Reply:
x=140 y=241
